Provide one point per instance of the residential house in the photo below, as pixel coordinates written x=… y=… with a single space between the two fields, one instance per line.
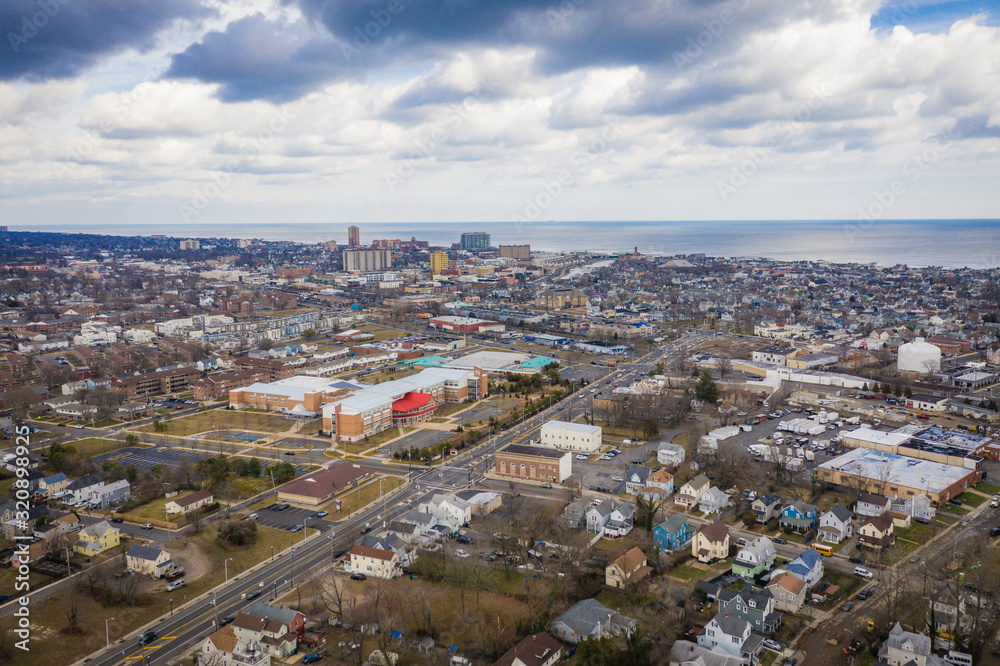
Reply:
x=755 y=558
x=919 y=507
x=799 y=516
x=599 y=515
x=373 y=562
x=110 y=494
x=188 y=503
x=589 y=619
x=673 y=533
x=766 y=507
x=28 y=550
x=686 y=653
x=80 y=491
x=291 y=618
x=711 y=542
x=535 y=650
x=635 y=479
x=57 y=527
x=732 y=633
x=405 y=532
x=386 y=542
x=870 y=504
x=271 y=636
x=836 y=524
x=148 y=561
x=223 y=648
x=690 y=493
x=905 y=647
x=53 y=485
x=483 y=502
x=97 y=538
x=448 y=509
x=876 y=533
x=627 y=569
x=669 y=454
x=754 y=605
x=659 y=485
x=808 y=567
x=788 y=591
x=713 y=501
x=620 y=521
x=575 y=513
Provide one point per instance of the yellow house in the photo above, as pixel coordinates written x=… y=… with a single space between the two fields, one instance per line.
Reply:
x=97 y=538
x=711 y=542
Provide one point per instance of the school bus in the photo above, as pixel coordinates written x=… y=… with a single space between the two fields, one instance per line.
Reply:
x=825 y=551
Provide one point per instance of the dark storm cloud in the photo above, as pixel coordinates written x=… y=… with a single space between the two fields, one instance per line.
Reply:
x=261 y=58
x=45 y=39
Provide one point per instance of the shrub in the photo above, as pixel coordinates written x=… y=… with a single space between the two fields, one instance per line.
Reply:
x=238 y=532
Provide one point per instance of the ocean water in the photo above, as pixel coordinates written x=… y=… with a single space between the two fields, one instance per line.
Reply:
x=917 y=243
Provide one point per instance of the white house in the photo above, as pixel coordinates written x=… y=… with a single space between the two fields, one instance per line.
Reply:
x=872 y=505
x=836 y=524
x=635 y=479
x=569 y=436
x=713 y=501
x=733 y=634
x=188 y=503
x=669 y=454
x=224 y=648
x=919 y=507
x=448 y=508
x=620 y=521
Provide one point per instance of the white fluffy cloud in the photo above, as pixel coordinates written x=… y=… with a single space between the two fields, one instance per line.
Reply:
x=803 y=119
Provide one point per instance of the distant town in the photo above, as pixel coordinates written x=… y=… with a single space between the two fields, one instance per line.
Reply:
x=234 y=451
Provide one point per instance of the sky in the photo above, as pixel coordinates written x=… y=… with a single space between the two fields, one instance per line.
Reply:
x=340 y=111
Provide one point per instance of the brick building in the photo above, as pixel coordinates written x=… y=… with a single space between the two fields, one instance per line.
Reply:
x=533 y=463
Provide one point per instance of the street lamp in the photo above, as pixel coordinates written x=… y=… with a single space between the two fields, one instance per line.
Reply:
x=107 y=633
x=226 y=565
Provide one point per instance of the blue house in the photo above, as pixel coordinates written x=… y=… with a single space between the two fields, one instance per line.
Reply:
x=673 y=533
x=799 y=516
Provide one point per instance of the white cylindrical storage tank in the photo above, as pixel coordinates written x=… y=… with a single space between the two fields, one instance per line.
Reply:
x=919 y=356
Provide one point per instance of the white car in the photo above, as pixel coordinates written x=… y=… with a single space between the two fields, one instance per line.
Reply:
x=176 y=585
x=252 y=516
x=581 y=457
x=617 y=478
x=461 y=553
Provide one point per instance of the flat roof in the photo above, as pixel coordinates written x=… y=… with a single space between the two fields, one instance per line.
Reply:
x=881 y=437
x=539 y=451
x=923 y=475
x=499 y=361
x=582 y=428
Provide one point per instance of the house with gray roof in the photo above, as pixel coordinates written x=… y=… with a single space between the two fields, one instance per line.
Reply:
x=635 y=479
x=836 y=524
x=766 y=507
x=905 y=647
x=713 y=501
x=590 y=619
x=753 y=605
x=733 y=634
x=686 y=653
x=148 y=561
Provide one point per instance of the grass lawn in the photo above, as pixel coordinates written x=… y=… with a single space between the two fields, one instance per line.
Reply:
x=374 y=440
x=946 y=520
x=154 y=509
x=690 y=574
x=223 y=420
x=951 y=508
x=7 y=580
x=988 y=488
x=972 y=499
x=49 y=646
x=362 y=497
x=247 y=486
x=828 y=499
x=847 y=583
x=381 y=333
x=94 y=446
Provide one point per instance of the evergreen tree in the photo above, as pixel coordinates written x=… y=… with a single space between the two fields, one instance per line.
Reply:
x=706 y=389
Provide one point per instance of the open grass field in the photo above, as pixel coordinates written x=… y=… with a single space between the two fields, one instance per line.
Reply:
x=356 y=499
x=224 y=420
x=972 y=499
x=50 y=646
x=95 y=446
x=988 y=488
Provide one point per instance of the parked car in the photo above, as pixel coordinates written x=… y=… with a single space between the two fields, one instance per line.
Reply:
x=322 y=514
x=781 y=540
x=546 y=485
x=461 y=553
x=955 y=501
x=995 y=531
x=297 y=528
x=253 y=516
x=848 y=606
x=617 y=478
x=312 y=658
x=174 y=574
x=463 y=539
x=358 y=576
x=864 y=594
x=855 y=560
x=118 y=520
x=864 y=573
x=176 y=585
x=771 y=645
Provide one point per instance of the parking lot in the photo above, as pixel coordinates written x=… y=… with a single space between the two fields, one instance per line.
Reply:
x=144 y=459
x=420 y=440
x=478 y=414
x=239 y=435
x=298 y=443
x=290 y=518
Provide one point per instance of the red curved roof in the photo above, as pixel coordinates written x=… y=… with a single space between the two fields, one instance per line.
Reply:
x=411 y=401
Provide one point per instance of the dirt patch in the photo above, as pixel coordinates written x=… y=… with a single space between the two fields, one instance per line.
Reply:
x=198 y=561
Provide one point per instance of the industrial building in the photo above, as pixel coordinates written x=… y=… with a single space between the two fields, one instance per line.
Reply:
x=950 y=447
x=918 y=356
x=466 y=325
x=533 y=463
x=494 y=363
x=900 y=476
x=568 y=436
x=320 y=486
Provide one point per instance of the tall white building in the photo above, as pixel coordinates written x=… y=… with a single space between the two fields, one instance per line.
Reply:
x=571 y=436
